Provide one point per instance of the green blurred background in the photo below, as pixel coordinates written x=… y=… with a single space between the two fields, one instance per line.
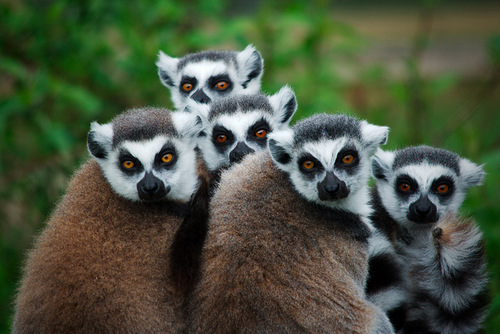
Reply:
x=428 y=69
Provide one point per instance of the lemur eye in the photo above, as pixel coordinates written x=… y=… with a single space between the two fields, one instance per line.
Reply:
x=128 y=164
x=187 y=86
x=404 y=187
x=221 y=85
x=308 y=164
x=348 y=159
x=221 y=138
x=166 y=158
x=443 y=188
x=261 y=133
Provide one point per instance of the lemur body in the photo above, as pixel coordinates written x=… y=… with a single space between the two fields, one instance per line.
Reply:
x=287 y=245
x=101 y=265
x=419 y=191
x=233 y=127
x=208 y=75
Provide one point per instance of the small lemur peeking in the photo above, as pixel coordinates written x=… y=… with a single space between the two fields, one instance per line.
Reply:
x=208 y=75
x=101 y=264
x=239 y=125
x=286 y=250
x=418 y=193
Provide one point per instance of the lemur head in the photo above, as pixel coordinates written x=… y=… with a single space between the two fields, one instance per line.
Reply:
x=148 y=154
x=208 y=75
x=418 y=185
x=327 y=158
x=239 y=125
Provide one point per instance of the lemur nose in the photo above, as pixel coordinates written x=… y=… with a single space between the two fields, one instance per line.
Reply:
x=239 y=152
x=200 y=96
x=151 y=188
x=332 y=188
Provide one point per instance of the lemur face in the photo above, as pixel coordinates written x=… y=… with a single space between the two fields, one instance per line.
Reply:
x=240 y=125
x=327 y=157
x=148 y=156
x=418 y=185
x=209 y=75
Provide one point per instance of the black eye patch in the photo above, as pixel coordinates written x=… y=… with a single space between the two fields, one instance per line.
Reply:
x=405 y=186
x=128 y=163
x=347 y=159
x=444 y=187
x=214 y=81
x=258 y=132
x=222 y=138
x=188 y=80
x=166 y=158
x=310 y=166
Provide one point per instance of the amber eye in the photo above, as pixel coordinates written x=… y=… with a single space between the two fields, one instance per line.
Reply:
x=187 y=86
x=443 y=188
x=221 y=138
x=308 y=164
x=221 y=85
x=128 y=164
x=404 y=187
x=348 y=159
x=261 y=133
x=167 y=157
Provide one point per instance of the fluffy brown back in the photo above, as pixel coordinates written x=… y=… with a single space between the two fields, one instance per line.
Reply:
x=274 y=262
x=100 y=265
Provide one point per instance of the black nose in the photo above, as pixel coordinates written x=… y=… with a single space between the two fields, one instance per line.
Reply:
x=423 y=211
x=200 y=96
x=239 y=152
x=151 y=188
x=332 y=188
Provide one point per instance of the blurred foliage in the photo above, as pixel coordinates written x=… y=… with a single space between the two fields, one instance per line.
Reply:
x=66 y=63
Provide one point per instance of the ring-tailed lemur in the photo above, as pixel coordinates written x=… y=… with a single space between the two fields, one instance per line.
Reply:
x=287 y=246
x=419 y=190
x=101 y=265
x=233 y=127
x=208 y=75
x=239 y=125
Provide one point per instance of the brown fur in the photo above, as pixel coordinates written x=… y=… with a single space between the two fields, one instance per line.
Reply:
x=274 y=263
x=100 y=265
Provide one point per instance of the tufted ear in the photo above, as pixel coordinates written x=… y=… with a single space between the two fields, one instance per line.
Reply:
x=284 y=104
x=470 y=173
x=100 y=140
x=373 y=135
x=280 y=144
x=189 y=125
x=250 y=68
x=382 y=164
x=167 y=69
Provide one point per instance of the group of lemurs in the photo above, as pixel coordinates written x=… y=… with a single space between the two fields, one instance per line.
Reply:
x=221 y=218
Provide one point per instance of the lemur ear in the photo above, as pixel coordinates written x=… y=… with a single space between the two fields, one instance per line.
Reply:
x=251 y=67
x=167 y=69
x=100 y=140
x=374 y=135
x=189 y=125
x=280 y=145
x=382 y=164
x=470 y=173
x=284 y=104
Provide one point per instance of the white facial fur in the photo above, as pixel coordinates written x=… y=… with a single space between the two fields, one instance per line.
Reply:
x=181 y=178
x=326 y=153
x=238 y=123
x=424 y=174
x=204 y=69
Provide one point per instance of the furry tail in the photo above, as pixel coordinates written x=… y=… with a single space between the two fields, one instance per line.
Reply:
x=185 y=252
x=449 y=284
